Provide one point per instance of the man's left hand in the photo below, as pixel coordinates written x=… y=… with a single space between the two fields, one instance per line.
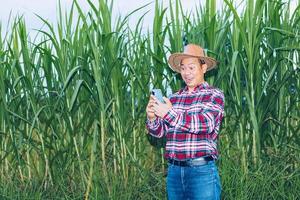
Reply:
x=161 y=109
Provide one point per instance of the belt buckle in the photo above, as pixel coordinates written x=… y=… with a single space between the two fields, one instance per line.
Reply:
x=198 y=161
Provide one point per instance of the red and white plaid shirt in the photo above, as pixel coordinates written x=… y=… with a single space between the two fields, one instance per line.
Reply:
x=192 y=124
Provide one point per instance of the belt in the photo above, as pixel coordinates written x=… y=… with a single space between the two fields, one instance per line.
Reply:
x=191 y=162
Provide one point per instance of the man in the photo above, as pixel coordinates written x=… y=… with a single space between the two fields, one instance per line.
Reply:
x=190 y=120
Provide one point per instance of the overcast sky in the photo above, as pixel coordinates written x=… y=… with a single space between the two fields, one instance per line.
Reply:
x=47 y=9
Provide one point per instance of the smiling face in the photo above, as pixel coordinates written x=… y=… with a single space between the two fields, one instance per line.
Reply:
x=192 y=72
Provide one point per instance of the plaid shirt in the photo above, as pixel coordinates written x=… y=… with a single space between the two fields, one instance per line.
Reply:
x=192 y=124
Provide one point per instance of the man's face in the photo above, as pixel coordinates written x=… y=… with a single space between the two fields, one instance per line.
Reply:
x=192 y=72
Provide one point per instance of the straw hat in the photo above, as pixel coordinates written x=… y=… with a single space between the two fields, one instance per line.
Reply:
x=191 y=50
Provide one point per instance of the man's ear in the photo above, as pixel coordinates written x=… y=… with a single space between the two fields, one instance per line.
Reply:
x=204 y=68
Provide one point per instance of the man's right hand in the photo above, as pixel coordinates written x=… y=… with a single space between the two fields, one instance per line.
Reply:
x=149 y=110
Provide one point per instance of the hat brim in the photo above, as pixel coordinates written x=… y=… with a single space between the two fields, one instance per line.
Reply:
x=176 y=58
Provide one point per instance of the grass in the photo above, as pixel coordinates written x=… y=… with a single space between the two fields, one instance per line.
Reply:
x=72 y=117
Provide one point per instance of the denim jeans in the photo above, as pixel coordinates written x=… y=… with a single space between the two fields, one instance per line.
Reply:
x=195 y=182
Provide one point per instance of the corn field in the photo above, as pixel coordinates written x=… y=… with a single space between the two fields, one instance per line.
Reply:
x=73 y=100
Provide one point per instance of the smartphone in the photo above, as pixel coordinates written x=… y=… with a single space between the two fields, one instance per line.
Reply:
x=158 y=94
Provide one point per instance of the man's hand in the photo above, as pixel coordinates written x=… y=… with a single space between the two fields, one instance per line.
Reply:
x=161 y=109
x=149 y=110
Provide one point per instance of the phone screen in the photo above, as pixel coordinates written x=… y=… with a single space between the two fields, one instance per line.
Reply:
x=158 y=94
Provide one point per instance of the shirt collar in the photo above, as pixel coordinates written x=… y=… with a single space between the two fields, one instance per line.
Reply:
x=199 y=87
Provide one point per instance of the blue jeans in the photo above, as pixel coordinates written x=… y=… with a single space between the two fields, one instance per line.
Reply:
x=195 y=182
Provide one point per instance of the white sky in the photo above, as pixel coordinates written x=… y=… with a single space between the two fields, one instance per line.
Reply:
x=47 y=9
